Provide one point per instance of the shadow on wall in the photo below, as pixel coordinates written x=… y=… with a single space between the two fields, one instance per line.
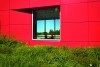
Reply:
x=27 y=10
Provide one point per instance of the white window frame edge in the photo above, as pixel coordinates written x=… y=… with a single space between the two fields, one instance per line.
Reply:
x=46 y=39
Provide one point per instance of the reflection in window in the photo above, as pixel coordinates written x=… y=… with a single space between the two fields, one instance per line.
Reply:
x=40 y=29
x=48 y=29
x=57 y=29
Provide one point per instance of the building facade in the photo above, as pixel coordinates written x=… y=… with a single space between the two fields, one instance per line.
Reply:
x=74 y=23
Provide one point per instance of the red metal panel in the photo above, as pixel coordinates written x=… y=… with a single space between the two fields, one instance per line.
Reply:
x=4 y=4
x=5 y=30
x=45 y=42
x=94 y=11
x=93 y=0
x=72 y=1
x=94 y=31
x=94 y=44
x=41 y=3
x=4 y=17
x=74 y=31
x=74 y=12
x=21 y=32
x=17 y=17
x=16 y=4
x=75 y=44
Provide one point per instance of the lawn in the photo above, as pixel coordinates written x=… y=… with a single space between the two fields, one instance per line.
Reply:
x=17 y=54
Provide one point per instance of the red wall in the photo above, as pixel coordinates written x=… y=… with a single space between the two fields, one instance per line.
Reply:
x=80 y=21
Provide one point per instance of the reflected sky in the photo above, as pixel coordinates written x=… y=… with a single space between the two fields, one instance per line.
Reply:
x=57 y=24
x=49 y=25
x=40 y=26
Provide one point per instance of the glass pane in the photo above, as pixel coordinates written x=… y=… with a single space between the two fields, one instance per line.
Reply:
x=40 y=29
x=57 y=29
x=50 y=29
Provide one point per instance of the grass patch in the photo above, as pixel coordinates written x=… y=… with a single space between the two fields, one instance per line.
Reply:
x=14 y=54
x=47 y=56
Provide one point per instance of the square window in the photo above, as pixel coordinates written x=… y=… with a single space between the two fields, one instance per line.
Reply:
x=46 y=23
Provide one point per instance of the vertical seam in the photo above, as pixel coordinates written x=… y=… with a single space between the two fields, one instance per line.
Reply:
x=88 y=22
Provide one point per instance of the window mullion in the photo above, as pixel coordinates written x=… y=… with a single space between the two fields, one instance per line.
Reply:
x=35 y=25
x=54 y=27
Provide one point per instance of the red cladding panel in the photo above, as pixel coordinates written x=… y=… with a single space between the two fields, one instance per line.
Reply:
x=74 y=12
x=4 y=4
x=41 y=3
x=17 y=17
x=45 y=42
x=16 y=4
x=4 y=17
x=93 y=0
x=94 y=31
x=21 y=32
x=74 y=31
x=94 y=44
x=94 y=11
x=5 y=30
x=76 y=44
x=72 y=1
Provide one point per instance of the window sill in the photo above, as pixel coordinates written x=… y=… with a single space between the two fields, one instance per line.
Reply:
x=46 y=39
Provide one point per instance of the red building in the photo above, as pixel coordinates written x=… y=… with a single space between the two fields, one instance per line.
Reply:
x=75 y=23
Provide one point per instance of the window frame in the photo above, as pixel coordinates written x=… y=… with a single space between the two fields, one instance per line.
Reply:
x=46 y=39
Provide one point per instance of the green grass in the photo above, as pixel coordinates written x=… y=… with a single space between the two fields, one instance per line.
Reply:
x=20 y=55
x=47 y=56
